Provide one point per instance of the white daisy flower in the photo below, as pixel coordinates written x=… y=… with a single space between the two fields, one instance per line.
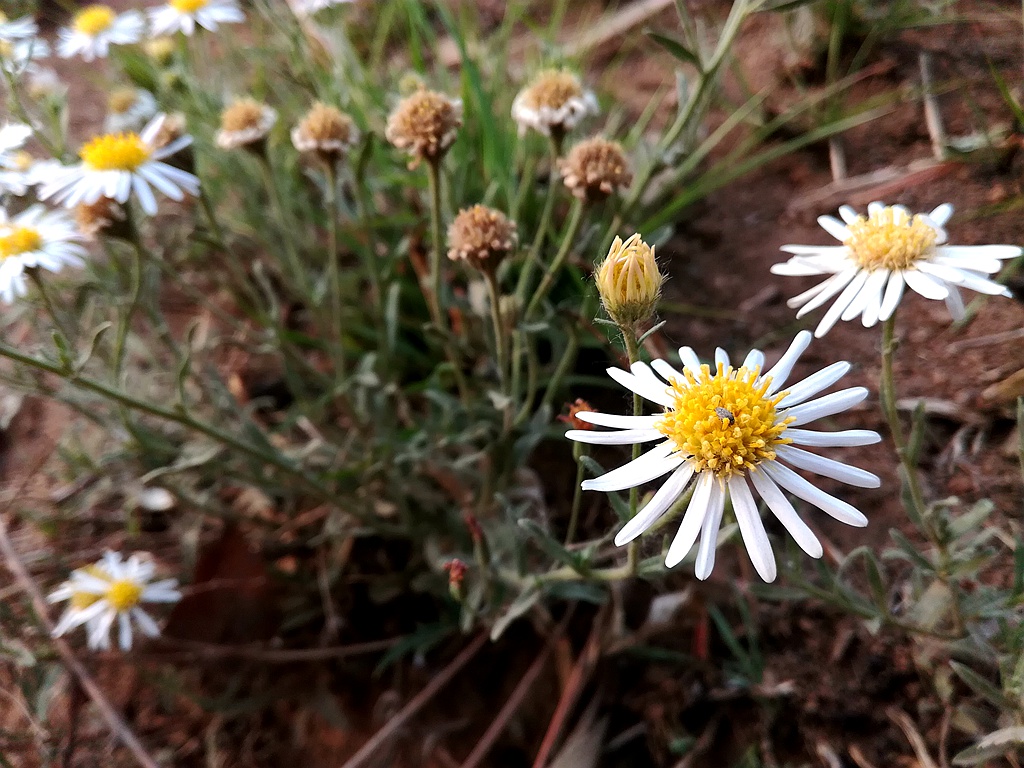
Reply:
x=245 y=122
x=129 y=109
x=95 y=28
x=18 y=29
x=12 y=171
x=19 y=56
x=119 y=165
x=185 y=15
x=882 y=252
x=554 y=100
x=44 y=83
x=309 y=7
x=38 y=238
x=113 y=590
x=726 y=429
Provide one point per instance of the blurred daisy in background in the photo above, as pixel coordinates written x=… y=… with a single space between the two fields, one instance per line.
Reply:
x=113 y=590
x=122 y=165
x=244 y=123
x=36 y=238
x=17 y=29
x=880 y=254
x=727 y=429
x=309 y=7
x=95 y=28
x=12 y=172
x=129 y=109
x=185 y=15
x=554 y=102
x=19 y=56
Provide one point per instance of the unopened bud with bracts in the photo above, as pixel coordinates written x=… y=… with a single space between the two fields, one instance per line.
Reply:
x=629 y=282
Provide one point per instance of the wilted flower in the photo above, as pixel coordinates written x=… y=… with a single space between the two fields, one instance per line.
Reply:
x=725 y=427
x=112 y=590
x=481 y=236
x=104 y=217
x=325 y=131
x=185 y=15
x=595 y=168
x=129 y=109
x=554 y=102
x=118 y=165
x=35 y=238
x=424 y=125
x=245 y=123
x=629 y=282
x=882 y=252
x=95 y=28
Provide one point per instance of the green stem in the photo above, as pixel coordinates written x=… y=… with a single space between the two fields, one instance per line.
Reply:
x=370 y=252
x=533 y=255
x=298 y=276
x=578 y=451
x=575 y=220
x=633 y=352
x=135 y=291
x=500 y=344
x=434 y=285
x=334 y=274
x=51 y=308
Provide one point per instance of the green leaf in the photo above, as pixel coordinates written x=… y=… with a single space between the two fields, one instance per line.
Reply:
x=524 y=602
x=675 y=47
x=550 y=545
x=996 y=744
x=910 y=551
x=981 y=686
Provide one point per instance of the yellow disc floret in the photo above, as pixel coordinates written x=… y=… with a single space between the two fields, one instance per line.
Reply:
x=725 y=422
x=188 y=6
x=15 y=241
x=81 y=599
x=124 y=594
x=115 y=152
x=890 y=239
x=552 y=89
x=94 y=19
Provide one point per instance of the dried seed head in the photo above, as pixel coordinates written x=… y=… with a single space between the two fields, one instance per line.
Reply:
x=424 y=125
x=629 y=282
x=482 y=236
x=554 y=101
x=104 y=217
x=172 y=128
x=595 y=168
x=246 y=121
x=326 y=131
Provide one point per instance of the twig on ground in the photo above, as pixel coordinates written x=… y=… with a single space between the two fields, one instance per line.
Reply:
x=932 y=113
x=902 y=719
x=117 y=724
x=858 y=757
x=417 y=702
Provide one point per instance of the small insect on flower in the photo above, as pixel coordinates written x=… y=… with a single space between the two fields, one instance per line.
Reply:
x=728 y=429
x=185 y=15
x=120 y=165
x=326 y=132
x=112 y=590
x=36 y=238
x=880 y=254
x=425 y=125
x=629 y=282
x=245 y=123
x=95 y=28
x=482 y=237
x=553 y=103
x=595 y=168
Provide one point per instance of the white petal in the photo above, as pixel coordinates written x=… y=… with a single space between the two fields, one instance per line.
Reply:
x=619 y=421
x=660 y=503
x=941 y=214
x=834 y=227
x=623 y=437
x=826 y=467
x=814 y=384
x=145 y=622
x=642 y=387
x=955 y=304
x=840 y=304
x=709 y=532
x=830 y=288
x=690 y=360
x=875 y=288
x=124 y=632
x=976 y=264
x=779 y=373
x=983 y=285
x=721 y=357
x=754 y=359
x=655 y=463
x=692 y=521
x=784 y=512
x=801 y=488
x=893 y=294
x=848 y=214
x=755 y=539
x=829 y=251
x=667 y=371
x=846 y=438
x=971 y=252
x=925 y=285
x=829 y=405
x=797 y=268
x=875 y=207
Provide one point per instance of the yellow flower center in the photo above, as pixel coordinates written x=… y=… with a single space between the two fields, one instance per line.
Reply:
x=121 y=100
x=552 y=89
x=890 y=239
x=115 y=152
x=17 y=240
x=188 y=6
x=725 y=423
x=123 y=594
x=94 y=19
x=82 y=600
x=22 y=160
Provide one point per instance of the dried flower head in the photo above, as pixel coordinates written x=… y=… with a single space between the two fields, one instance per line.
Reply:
x=579 y=406
x=595 y=168
x=482 y=236
x=104 y=217
x=629 y=282
x=161 y=49
x=424 y=125
x=554 y=102
x=326 y=131
x=244 y=123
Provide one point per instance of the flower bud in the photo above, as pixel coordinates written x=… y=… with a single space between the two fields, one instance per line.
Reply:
x=595 y=168
x=629 y=282
x=424 y=125
x=481 y=236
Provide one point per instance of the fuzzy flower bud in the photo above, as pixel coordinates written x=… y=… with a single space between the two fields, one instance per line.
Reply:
x=629 y=282
x=245 y=123
x=424 y=125
x=161 y=49
x=595 y=168
x=456 y=570
x=326 y=132
x=481 y=236
x=553 y=103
